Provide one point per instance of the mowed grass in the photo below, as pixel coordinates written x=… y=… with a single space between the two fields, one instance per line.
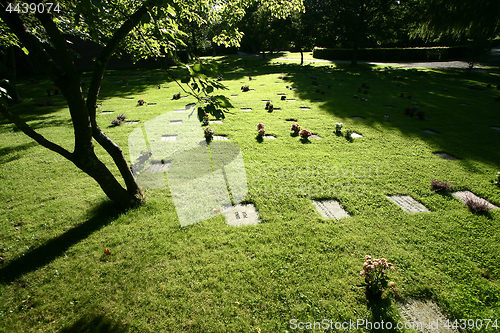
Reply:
x=209 y=277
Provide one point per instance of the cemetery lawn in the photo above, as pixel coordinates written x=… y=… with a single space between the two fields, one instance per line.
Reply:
x=209 y=277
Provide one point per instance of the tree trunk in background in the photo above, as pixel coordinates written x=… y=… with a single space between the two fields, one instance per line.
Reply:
x=8 y=68
x=354 y=60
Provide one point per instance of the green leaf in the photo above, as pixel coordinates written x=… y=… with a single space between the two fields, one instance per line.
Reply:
x=25 y=50
x=209 y=89
x=210 y=108
x=194 y=85
x=146 y=18
x=223 y=101
x=197 y=67
x=185 y=79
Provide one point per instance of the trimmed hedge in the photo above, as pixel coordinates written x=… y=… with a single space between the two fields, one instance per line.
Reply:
x=396 y=54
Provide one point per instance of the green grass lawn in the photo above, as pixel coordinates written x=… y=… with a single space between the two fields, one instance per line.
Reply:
x=209 y=277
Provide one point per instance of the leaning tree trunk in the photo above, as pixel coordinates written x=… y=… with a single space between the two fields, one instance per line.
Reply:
x=83 y=113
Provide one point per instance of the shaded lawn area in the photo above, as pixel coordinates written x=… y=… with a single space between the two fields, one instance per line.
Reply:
x=210 y=277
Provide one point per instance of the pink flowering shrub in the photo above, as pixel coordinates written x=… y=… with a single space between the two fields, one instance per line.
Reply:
x=305 y=134
x=260 y=130
x=209 y=133
x=375 y=274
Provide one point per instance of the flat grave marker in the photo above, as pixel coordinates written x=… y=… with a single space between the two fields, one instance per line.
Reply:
x=133 y=122
x=495 y=128
x=246 y=109
x=330 y=209
x=304 y=108
x=356 y=135
x=429 y=132
x=426 y=314
x=464 y=195
x=169 y=138
x=315 y=136
x=106 y=112
x=220 y=138
x=241 y=215
x=407 y=203
x=215 y=122
x=356 y=117
x=173 y=122
x=158 y=167
x=446 y=156
x=269 y=137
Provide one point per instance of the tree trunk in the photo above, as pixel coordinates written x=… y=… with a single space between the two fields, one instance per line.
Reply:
x=301 y=57
x=354 y=60
x=82 y=113
x=8 y=68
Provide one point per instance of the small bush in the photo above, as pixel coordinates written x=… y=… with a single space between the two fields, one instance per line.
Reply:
x=141 y=102
x=295 y=129
x=476 y=206
x=209 y=133
x=348 y=135
x=176 y=96
x=245 y=88
x=438 y=186
x=305 y=134
x=121 y=117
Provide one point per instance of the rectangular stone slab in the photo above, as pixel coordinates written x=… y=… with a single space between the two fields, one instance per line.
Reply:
x=463 y=195
x=240 y=215
x=408 y=204
x=446 y=156
x=330 y=209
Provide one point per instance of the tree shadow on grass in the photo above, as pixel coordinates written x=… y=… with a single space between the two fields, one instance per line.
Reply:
x=4 y=151
x=55 y=247
x=95 y=324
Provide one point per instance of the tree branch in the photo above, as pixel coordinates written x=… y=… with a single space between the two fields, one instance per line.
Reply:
x=21 y=124
x=109 y=50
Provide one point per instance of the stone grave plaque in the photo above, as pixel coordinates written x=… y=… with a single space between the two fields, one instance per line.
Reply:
x=169 y=137
x=464 y=195
x=408 y=204
x=446 y=156
x=241 y=214
x=175 y=122
x=330 y=209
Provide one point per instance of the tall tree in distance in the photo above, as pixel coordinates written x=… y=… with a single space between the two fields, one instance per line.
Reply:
x=475 y=19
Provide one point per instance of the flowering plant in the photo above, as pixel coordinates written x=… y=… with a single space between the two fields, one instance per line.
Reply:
x=421 y=115
x=305 y=134
x=245 y=88
x=209 y=133
x=176 y=96
x=295 y=128
x=141 y=102
x=56 y=91
x=375 y=274
x=261 y=130
x=497 y=182
x=338 y=127
x=205 y=119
